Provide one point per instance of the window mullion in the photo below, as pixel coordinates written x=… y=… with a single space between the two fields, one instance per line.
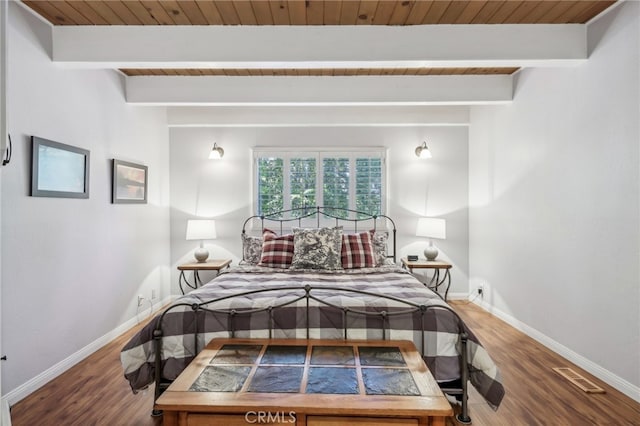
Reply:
x=319 y=179
x=286 y=182
x=382 y=187
x=352 y=182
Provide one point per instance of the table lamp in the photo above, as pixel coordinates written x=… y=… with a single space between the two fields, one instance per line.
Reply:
x=201 y=229
x=431 y=228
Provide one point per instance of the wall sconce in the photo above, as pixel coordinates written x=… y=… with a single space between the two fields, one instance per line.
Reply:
x=422 y=151
x=216 y=152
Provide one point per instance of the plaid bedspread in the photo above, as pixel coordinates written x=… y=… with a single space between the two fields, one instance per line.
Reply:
x=439 y=343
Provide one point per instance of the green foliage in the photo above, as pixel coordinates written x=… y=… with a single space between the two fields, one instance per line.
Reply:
x=335 y=180
x=270 y=185
x=335 y=188
x=302 y=177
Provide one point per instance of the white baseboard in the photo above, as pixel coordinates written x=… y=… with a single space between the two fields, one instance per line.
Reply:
x=51 y=373
x=624 y=386
x=458 y=296
x=5 y=413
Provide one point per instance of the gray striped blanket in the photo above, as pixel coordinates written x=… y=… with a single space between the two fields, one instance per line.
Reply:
x=435 y=331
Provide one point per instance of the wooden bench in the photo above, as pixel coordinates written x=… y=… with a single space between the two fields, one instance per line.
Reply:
x=305 y=383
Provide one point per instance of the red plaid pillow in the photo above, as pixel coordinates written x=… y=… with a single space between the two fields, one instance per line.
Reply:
x=357 y=251
x=277 y=252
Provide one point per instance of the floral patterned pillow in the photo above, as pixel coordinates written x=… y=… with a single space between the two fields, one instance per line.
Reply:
x=317 y=248
x=251 y=249
x=379 y=240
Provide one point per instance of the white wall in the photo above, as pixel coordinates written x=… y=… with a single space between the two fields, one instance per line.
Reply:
x=222 y=189
x=3 y=138
x=554 y=203
x=72 y=268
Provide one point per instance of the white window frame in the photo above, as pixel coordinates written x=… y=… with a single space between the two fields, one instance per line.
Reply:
x=319 y=154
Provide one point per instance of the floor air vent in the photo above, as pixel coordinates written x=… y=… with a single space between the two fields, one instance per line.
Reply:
x=585 y=384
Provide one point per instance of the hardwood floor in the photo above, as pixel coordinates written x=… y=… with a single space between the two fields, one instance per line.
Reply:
x=94 y=392
x=535 y=394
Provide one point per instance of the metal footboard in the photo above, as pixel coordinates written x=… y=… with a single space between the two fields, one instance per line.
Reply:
x=311 y=293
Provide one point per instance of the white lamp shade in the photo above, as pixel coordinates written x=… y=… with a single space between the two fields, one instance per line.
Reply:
x=422 y=151
x=431 y=227
x=216 y=152
x=425 y=153
x=201 y=229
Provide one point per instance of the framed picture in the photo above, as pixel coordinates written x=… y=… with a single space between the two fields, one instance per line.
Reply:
x=129 y=183
x=58 y=170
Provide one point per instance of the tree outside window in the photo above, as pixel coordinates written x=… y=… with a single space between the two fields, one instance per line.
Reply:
x=345 y=180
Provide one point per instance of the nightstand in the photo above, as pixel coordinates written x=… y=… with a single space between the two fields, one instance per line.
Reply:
x=196 y=267
x=436 y=265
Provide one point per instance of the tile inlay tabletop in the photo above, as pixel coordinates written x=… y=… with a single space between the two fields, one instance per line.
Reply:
x=307 y=379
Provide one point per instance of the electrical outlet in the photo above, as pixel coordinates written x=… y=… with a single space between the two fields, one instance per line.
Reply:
x=153 y=294
x=481 y=289
x=140 y=299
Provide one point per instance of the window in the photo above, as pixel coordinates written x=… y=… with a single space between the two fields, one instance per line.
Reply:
x=344 y=179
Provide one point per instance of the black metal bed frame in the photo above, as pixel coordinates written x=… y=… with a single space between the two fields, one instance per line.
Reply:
x=310 y=294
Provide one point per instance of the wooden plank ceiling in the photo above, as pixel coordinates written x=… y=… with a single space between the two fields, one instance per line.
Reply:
x=321 y=72
x=316 y=12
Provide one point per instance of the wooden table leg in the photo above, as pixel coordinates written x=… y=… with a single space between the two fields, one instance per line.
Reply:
x=169 y=418
x=438 y=421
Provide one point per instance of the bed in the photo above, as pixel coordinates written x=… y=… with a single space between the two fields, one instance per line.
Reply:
x=299 y=294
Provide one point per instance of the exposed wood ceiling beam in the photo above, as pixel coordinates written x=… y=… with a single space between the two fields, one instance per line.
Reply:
x=360 y=90
x=313 y=47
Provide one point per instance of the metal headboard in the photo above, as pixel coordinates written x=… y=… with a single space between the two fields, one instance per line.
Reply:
x=341 y=216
